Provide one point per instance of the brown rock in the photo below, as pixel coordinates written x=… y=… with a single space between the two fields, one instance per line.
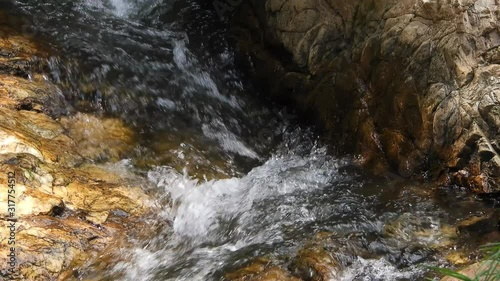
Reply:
x=474 y=270
x=317 y=260
x=251 y=270
x=315 y=264
x=67 y=211
x=269 y=274
x=411 y=85
x=409 y=229
x=274 y=274
x=99 y=139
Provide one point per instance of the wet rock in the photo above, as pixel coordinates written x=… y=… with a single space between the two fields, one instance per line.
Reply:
x=315 y=264
x=318 y=259
x=262 y=269
x=99 y=139
x=410 y=231
x=68 y=210
x=38 y=135
x=274 y=274
x=410 y=85
x=484 y=229
x=198 y=163
x=58 y=223
x=457 y=258
x=269 y=274
x=32 y=94
x=251 y=270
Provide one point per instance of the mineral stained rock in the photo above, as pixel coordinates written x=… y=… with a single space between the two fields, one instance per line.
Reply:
x=410 y=85
x=66 y=209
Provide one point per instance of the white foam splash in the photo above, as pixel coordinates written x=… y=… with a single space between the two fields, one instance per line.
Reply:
x=120 y=8
x=199 y=209
x=375 y=269
x=197 y=77
x=228 y=140
x=123 y=8
x=227 y=214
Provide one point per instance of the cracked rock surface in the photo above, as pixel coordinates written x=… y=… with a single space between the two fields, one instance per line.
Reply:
x=411 y=85
x=68 y=209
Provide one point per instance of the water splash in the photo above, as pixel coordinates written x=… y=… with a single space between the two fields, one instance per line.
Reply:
x=120 y=8
x=214 y=219
x=202 y=209
x=377 y=270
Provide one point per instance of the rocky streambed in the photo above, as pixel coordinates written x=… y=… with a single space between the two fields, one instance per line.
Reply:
x=67 y=208
x=139 y=149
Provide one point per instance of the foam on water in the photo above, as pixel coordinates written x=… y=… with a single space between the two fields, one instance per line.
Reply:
x=376 y=270
x=212 y=220
x=120 y=8
x=274 y=206
x=201 y=208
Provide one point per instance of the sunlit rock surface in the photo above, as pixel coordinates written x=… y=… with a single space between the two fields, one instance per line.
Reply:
x=473 y=271
x=68 y=209
x=411 y=85
x=261 y=270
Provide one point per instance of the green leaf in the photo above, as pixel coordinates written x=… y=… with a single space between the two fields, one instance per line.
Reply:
x=450 y=273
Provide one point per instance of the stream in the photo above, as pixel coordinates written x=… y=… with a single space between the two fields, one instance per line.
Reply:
x=237 y=177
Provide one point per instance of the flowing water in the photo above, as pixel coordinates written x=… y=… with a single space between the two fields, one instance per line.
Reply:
x=243 y=180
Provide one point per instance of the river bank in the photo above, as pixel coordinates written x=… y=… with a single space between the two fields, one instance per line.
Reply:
x=59 y=207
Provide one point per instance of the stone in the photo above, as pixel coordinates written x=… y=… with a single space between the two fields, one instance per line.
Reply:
x=457 y=258
x=317 y=259
x=99 y=139
x=409 y=229
x=68 y=209
x=412 y=86
x=270 y=274
x=274 y=274
x=256 y=267
x=315 y=264
x=474 y=270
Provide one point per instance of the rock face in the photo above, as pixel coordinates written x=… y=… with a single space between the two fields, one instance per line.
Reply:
x=411 y=85
x=67 y=210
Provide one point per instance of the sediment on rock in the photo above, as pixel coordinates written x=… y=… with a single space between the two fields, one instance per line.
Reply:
x=412 y=86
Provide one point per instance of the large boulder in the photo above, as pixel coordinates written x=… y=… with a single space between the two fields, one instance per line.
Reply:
x=411 y=85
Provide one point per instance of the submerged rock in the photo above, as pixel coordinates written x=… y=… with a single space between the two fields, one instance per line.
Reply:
x=320 y=258
x=409 y=229
x=410 y=85
x=251 y=270
x=99 y=138
x=261 y=270
x=315 y=264
x=274 y=274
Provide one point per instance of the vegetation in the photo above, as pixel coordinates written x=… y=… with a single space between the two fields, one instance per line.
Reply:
x=489 y=270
